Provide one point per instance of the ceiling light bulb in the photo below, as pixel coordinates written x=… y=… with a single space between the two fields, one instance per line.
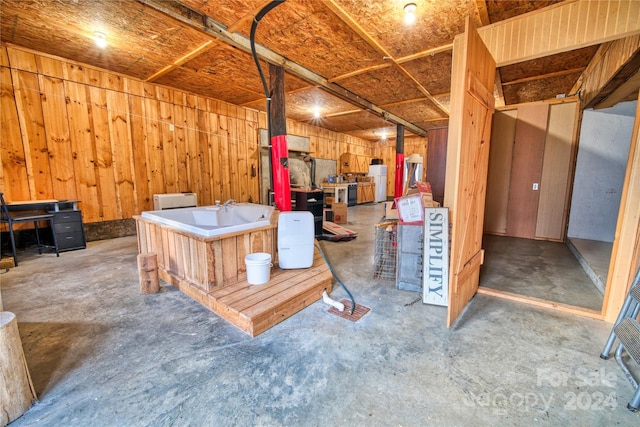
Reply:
x=316 y=112
x=101 y=39
x=384 y=135
x=410 y=13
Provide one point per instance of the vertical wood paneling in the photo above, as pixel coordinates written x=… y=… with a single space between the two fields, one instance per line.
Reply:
x=34 y=135
x=138 y=146
x=14 y=159
x=118 y=114
x=21 y=60
x=180 y=137
x=234 y=172
x=104 y=139
x=222 y=166
x=204 y=160
x=58 y=143
x=109 y=207
x=526 y=169
x=193 y=158
x=436 y=161
x=559 y=150
x=500 y=155
x=169 y=149
x=253 y=157
x=153 y=144
x=82 y=144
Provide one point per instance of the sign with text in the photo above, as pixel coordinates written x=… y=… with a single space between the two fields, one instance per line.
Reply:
x=435 y=287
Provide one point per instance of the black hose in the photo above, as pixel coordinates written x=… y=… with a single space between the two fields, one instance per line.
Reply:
x=265 y=87
x=335 y=276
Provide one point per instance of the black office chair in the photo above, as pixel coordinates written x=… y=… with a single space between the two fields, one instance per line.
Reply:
x=34 y=217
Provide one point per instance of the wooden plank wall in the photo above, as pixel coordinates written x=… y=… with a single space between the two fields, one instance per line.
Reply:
x=526 y=170
x=499 y=176
x=70 y=131
x=543 y=151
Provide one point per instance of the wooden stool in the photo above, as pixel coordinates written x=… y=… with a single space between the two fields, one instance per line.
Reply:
x=148 y=272
x=18 y=394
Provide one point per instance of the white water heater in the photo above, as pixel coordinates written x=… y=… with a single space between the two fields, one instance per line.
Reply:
x=295 y=239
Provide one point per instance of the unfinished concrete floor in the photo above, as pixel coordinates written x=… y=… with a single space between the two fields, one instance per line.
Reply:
x=537 y=268
x=101 y=354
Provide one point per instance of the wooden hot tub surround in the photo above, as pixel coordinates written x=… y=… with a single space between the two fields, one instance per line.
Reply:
x=211 y=270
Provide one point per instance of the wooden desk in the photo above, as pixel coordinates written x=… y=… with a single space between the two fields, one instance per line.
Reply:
x=49 y=205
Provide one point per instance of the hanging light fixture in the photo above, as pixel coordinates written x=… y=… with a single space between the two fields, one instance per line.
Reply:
x=410 y=13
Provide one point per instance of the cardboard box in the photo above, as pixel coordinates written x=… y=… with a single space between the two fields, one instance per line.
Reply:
x=424 y=189
x=339 y=213
x=389 y=211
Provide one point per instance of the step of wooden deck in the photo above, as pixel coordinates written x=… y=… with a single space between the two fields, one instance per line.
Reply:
x=256 y=308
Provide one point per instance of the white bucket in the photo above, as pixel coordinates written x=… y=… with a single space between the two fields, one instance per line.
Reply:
x=258 y=268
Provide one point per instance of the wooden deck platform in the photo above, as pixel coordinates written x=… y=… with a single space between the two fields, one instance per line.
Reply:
x=256 y=308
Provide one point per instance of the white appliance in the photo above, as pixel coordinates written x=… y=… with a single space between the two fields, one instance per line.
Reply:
x=295 y=239
x=379 y=174
x=174 y=200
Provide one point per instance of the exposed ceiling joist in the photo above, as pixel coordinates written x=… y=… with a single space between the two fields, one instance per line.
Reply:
x=196 y=20
x=347 y=19
x=186 y=58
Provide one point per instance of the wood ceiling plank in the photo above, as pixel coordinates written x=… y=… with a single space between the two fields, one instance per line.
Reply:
x=585 y=23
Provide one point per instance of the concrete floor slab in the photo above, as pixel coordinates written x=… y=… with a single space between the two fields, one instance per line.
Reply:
x=101 y=354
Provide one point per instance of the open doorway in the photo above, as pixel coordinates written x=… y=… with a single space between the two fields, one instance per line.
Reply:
x=571 y=270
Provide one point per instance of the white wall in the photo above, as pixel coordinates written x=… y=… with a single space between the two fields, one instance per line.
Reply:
x=603 y=152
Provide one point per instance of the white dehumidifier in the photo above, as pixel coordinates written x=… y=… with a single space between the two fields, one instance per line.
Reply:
x=295 y=239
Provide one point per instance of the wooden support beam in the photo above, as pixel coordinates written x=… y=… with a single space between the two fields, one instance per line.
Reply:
x=422 y=54
x=626 y=243
x=562 y=27
x=178 y=62
x=278 y=119
x=544 y=76
x=538 y=302
x=205 y=24
x=614 y=62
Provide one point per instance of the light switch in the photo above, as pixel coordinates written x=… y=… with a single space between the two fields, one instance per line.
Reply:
x=171 y=127
x=535 y=186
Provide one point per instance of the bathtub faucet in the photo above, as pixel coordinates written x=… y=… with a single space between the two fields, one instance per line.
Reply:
x=230 y=202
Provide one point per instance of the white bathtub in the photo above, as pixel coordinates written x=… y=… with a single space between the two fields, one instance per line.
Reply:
x=210 y=221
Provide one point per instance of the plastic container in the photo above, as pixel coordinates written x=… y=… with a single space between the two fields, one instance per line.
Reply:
x=258 y=268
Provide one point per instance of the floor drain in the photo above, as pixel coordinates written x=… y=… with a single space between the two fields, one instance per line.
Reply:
x=358 y=312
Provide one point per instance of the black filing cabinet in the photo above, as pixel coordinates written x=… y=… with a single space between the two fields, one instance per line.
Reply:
x=312 y=201
x=69 y=230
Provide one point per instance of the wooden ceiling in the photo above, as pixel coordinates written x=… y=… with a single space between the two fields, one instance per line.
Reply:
x=354 y=60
